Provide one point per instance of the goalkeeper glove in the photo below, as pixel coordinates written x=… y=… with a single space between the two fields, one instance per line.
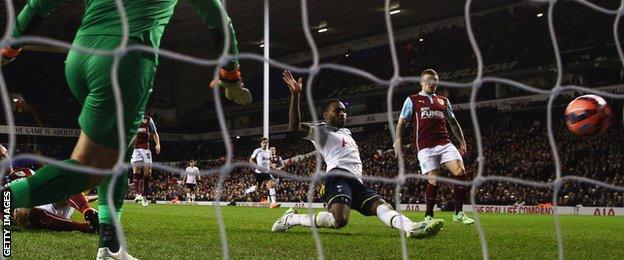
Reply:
x=9 y=54
x=232 y=82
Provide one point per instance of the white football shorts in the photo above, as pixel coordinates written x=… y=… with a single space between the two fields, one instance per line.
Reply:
x=432 y=158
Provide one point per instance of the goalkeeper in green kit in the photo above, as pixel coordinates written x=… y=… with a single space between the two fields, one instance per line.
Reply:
x=88 y=77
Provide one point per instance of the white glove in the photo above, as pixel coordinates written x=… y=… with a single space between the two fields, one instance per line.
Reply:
x=236 y=92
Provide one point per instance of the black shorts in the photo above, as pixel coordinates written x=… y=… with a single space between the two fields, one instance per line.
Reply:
x=191 y=186
x=262 y=177
x=349 y=191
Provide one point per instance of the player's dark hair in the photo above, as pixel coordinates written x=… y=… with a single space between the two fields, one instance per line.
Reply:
x=264 y=139
x=326 y=104
x=428 y=71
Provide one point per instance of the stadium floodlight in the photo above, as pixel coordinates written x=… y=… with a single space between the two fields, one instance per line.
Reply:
x=540 y=14
x=393 y=12
x=322 y=30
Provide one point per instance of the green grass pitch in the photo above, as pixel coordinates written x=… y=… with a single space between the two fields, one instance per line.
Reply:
x=190 y=232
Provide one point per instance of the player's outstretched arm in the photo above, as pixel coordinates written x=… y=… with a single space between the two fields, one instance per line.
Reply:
x=294 y=115
x=211 y=13
x=230 y=76
x=28 y=18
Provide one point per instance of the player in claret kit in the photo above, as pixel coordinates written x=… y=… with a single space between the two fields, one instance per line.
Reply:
x=53 y=216
x=277 y=163
x=344 y=188
x=428 y=114
x=142 y=158
x=89 y=79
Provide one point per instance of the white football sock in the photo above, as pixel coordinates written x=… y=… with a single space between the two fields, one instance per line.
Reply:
x=273 y=195
x=251 y=189
x=393 y=219
x=323 y=220
x=188 y=197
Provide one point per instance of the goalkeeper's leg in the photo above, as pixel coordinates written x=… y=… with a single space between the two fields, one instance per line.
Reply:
x=108 y=233
x=98 y=117
x=89 y=80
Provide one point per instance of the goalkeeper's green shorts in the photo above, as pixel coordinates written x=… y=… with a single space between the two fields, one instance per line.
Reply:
x=89 y=78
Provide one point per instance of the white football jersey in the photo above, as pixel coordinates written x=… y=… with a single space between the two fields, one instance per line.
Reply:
x=191 y=174
x=64 y=211
x=263 y=159
x=338 y=148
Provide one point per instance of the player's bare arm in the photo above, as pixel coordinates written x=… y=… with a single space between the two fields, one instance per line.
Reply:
x=294 y=116
x=280 y=164
x=398 y=145
x=459 y=134
x=157 y=141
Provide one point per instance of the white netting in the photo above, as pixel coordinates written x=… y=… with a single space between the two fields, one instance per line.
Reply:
x=312 y=72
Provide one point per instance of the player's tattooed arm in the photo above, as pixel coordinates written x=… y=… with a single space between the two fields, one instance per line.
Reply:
x=459 y=134
x=294 y=116
x=398 y=145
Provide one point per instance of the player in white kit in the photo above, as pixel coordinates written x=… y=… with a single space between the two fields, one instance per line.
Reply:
x=191 y=176
x=262 y=158
x=343 y=180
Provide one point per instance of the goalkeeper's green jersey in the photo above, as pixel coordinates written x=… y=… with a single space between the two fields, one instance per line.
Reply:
x=146 y=18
